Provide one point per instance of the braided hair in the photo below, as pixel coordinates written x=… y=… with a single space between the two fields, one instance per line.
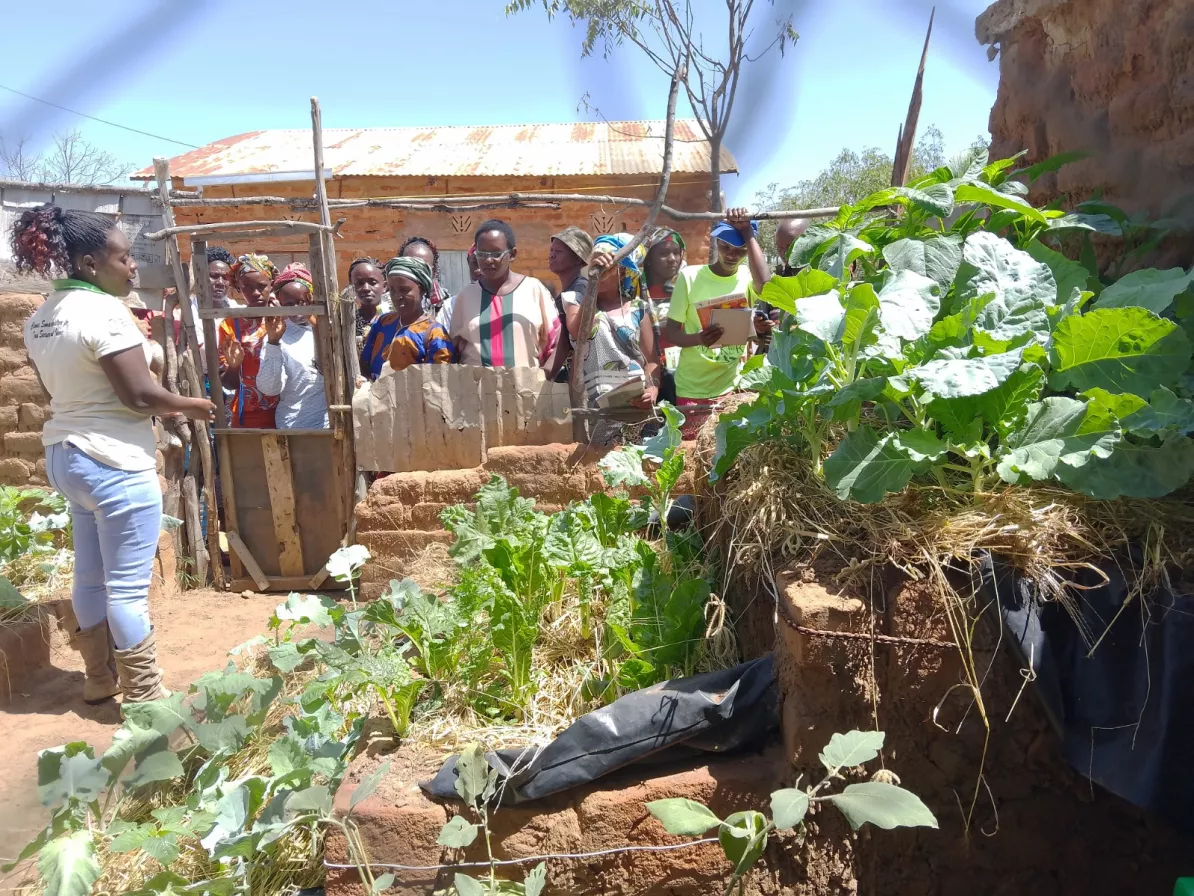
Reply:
x=49 y=238
x=430 y=245
x=219 y=253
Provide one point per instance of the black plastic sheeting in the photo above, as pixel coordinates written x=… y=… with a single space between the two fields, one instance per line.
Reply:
x=714 y=712
x=1125 y=712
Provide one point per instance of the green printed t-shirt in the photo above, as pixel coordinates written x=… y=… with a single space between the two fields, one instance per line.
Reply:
x=706 y=372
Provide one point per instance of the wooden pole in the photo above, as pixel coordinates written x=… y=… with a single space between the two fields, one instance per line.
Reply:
x=903 y=158
x=342 y=332
x=194 y=386
x=507 y=200
x=577 y=395
x=269 y=228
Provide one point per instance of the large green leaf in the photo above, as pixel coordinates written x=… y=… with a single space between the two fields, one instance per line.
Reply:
x=165 y=716
x=851 y=749
x=1151 y=289
x=782 y=292
x=1056 y=430
x=743 y=837
x=307 y=609
x=160 y=766
x=883 y=805
x=937 y=258
x=1022 y=287
x=1118 y=349
x=1164 y=412
x=981 y=193
x=842 y=251
x=959 y=377
x=864 y=467
x=468 y=886
x=1069 y=275
x=683 y=818
x=862 y=317
x=1004 y=407
x=68 y=865
x=788 y=808
x=908 y=304
x=623 y=467
x=161 y=845
x=69 y=772
x=10 y=597
x=535 y=881
x=457 y=833
x=571 y=545
x=1134 y=471
x=472 y=773
x=822 y=316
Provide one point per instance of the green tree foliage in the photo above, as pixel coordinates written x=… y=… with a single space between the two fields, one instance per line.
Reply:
x=851 y=177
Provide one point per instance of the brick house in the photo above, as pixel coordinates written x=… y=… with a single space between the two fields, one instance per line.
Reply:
x=608 y=158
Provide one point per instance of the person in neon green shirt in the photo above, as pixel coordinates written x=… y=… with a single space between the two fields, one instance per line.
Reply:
x=706 y=370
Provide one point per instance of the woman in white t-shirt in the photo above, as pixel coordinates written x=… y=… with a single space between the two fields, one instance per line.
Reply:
x=99 y=439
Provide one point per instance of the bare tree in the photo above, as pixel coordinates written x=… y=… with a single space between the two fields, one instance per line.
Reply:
x=18 y=162
x=71 y=160
x=668 y=32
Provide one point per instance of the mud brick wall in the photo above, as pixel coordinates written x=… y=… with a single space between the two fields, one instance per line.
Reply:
x=378 y=232
x=1112 y=77
x=23 y=405
x=399 y=518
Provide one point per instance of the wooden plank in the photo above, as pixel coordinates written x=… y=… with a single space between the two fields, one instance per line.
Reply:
x=254 y=504
x=248 y=431
x=202 y=282
x=246 y=557
x=260 y=312
x=190 y=506
x=286 y=583
x=314 y=466
x=278 y=476
x=229 y=494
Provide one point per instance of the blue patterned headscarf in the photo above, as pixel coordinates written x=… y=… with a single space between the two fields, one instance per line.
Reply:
x=632 y=265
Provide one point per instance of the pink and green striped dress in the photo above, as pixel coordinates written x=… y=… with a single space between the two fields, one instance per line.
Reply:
x=502 y=331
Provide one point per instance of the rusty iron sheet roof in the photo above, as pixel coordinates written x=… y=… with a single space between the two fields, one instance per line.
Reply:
x=532 y=150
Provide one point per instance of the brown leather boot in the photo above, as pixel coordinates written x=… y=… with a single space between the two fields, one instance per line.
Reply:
x=140 y=677
x=99 y=661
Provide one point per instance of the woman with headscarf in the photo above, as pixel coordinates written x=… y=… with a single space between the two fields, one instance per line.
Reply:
x=407 y=335
x=240 y=346
x=622 y=342
x=289 y=369
x=665 y=258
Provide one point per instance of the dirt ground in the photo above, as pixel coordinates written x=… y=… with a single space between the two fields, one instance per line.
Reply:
x=195 y=630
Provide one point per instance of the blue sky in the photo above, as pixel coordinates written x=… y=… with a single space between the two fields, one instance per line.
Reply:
x=198 y=70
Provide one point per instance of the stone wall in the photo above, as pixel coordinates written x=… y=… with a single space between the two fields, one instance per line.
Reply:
x=23 y=405
x=1114 y=78
x=378 y=232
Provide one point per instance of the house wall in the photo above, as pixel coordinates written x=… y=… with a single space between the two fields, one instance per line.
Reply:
x=1112 y=77
x=23 y=405
x=378 y=232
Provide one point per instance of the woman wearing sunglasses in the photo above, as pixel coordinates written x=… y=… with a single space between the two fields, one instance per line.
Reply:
x=503 y=319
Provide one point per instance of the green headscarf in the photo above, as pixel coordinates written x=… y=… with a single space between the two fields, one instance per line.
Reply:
x=412 y=269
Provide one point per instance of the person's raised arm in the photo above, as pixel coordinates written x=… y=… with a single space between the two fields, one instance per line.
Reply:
x=232 y=355
x=760 y=273
x=137 y=390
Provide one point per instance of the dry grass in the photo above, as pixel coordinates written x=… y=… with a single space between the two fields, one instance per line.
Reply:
x=781 y=514
x=38 y=577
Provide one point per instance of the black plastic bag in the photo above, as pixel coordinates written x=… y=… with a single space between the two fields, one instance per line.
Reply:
x=1125 y=712
x=712 y=712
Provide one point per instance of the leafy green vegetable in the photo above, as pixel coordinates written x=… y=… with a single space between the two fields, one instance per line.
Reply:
x=1118 y=349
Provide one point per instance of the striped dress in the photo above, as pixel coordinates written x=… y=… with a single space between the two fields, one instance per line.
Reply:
x=502 y=331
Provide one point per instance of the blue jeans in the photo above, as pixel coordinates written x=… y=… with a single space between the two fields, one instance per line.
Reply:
x=117 y=517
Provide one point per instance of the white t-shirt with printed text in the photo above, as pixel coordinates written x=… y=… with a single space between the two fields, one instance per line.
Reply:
x=65 y=339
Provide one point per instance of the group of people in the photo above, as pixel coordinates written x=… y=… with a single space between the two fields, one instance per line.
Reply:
x=646 y=329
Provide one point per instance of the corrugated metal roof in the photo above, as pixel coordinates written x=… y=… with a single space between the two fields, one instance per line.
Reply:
x=533 y=150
